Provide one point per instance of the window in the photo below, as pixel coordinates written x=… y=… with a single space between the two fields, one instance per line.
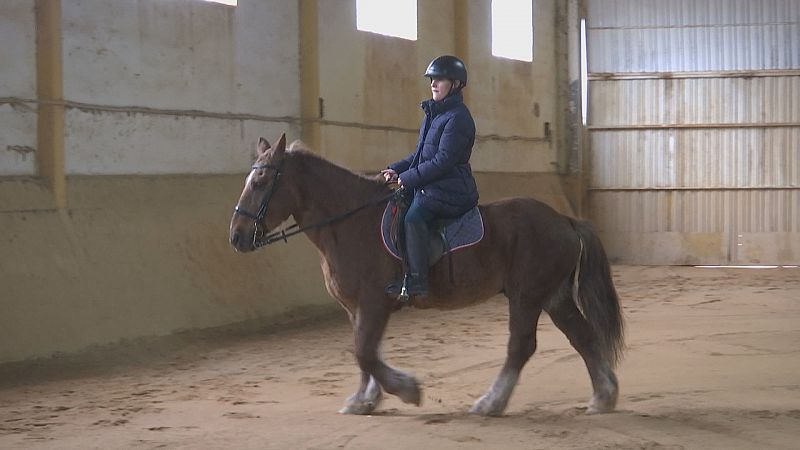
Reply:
x=512 y=29
x=584 y=76
x=396 y=18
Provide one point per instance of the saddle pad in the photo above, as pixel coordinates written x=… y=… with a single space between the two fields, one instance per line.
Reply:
x=460 y=232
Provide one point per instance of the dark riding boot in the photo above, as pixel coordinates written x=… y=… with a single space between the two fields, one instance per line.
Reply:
x=417 y=244
x=416 y=280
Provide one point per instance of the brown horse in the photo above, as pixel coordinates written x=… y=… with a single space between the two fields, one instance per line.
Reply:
x=538 y=258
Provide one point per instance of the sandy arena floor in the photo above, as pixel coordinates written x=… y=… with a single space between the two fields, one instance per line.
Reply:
x=713 y=362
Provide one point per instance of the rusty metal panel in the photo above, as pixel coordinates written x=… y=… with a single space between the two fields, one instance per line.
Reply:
x=661 y=211
x=695 y=130
x=664 y=227
x=700 y=211
x=690 y=13
x=696 y=227
x=633 y=159
x=739 y=100
x=766 y=211
x=688 y=35
x=744 y=158
x=767 y=227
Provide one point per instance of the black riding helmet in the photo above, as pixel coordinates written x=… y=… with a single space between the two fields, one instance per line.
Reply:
x=448 y=67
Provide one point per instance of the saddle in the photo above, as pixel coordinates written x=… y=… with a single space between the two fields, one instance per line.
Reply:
x=447 y=235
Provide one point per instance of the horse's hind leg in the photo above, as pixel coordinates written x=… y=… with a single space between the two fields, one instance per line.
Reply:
x=568 y=319
x=523 y=319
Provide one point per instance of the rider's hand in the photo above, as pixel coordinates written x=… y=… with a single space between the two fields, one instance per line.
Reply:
x=389 y=175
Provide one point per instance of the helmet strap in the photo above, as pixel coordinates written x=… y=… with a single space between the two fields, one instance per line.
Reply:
x=455 y=89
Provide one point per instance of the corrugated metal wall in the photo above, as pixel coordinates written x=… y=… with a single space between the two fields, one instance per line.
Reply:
x=694 y=119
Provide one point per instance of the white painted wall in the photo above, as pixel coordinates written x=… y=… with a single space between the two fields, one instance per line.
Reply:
x=156 y=88
x=378 y=81
x=17 y=84
x=164 y=67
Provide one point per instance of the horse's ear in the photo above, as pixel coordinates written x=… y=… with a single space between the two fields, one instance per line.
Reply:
x=262 y=146
x=280 y=147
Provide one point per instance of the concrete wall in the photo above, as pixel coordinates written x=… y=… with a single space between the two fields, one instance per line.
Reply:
x=371 y=94
x=17 y=84
x=136 y=256
x=378 y=81
x=188 y=66
x=163 y=104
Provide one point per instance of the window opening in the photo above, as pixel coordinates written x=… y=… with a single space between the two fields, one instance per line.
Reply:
x=512 y=29
x=396 y=18
x=584 y=76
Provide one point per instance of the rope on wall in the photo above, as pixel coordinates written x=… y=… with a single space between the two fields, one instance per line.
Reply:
x=192 y=113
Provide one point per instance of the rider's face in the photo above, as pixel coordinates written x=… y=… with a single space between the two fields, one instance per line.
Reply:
x=440 y=87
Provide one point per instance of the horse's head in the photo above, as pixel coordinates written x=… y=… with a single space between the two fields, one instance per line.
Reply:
x=265 y=201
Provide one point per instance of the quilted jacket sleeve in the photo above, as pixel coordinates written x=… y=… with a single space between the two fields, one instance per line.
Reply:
x=402 y=165
x=454 y=148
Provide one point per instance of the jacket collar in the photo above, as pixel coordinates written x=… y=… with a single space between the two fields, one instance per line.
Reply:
x=433 y=107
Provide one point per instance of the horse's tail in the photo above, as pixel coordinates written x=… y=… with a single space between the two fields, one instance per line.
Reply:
x=595 y=296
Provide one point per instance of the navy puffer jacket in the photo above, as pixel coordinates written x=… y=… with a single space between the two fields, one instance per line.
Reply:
x=439 y=169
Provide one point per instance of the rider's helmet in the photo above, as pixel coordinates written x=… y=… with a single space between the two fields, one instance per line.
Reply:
x=448 y=67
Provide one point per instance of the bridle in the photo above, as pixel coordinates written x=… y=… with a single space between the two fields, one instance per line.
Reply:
x=259 y=237
x=258 y=234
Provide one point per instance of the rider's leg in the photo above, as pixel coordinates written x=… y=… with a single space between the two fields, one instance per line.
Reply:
x=417 y=242
x=417 y=231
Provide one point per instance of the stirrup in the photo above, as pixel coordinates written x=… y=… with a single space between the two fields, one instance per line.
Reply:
x=404 y=298
x=415 y=286
x=401 y=291
x=395 y=288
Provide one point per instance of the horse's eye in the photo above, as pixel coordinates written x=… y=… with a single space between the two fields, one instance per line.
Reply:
x=257 y=184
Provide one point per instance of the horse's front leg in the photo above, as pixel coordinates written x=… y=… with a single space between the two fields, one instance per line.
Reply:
x=365 y=399
x=370 y=324
x=368 y=396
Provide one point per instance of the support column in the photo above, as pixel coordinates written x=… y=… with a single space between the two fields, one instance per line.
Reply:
x=573 y=145
x=461 y=36
x=310 y=110
x=577 y=12
x=50 y=96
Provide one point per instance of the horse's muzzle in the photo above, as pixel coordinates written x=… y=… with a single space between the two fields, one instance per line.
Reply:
x=240 y=243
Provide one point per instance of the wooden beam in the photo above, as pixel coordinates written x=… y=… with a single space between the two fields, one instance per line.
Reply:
x=50 y=96
x=310 y=109
x=697 y=126
x=619 y=76
x=461 y=37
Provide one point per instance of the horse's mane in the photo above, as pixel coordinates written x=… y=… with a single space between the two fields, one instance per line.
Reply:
x=297 y=144
x=298 y=149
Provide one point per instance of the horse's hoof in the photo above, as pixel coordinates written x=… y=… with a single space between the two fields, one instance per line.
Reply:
x=485 y=407
x=412 y=394
x=404 y=386
x=592 y=409
x=604 y=398
x=360 y=407
x=598 y=406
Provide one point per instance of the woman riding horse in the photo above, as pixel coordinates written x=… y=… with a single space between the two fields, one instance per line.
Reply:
x=438 y=173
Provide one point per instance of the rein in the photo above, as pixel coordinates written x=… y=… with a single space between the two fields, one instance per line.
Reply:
x=283 y=234
x=260 y=240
